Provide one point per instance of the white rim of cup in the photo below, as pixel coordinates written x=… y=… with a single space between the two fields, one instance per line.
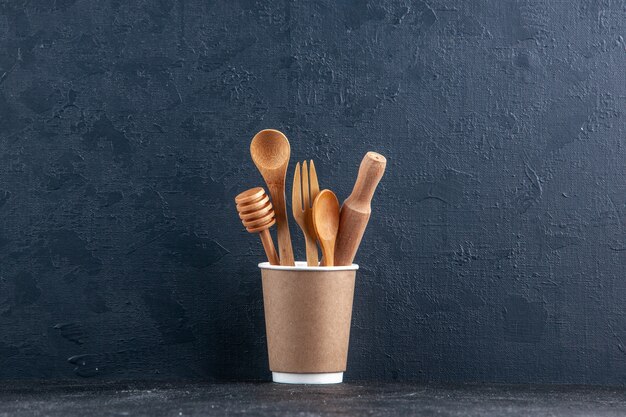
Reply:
x=308 y=379
x=302 y=266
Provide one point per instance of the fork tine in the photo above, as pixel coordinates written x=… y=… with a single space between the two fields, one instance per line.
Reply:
x=315 y=187
x=305 y=186
x=296 y=192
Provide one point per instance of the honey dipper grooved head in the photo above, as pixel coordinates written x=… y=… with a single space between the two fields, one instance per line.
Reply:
x=255 y=210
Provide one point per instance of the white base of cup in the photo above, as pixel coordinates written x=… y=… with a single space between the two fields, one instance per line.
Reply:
x=321 y=378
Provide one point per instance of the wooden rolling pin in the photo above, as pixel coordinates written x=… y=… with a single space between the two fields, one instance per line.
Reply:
x=356 y=210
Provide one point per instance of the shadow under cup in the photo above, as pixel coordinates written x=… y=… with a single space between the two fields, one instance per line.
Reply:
x=307 y=318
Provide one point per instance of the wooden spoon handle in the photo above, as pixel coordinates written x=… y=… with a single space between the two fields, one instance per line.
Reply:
x=268 y=245
x=328 y=254
x=284 y=238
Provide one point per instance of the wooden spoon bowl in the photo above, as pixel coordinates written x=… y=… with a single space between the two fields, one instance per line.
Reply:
x=326 y=223
x=270 y=150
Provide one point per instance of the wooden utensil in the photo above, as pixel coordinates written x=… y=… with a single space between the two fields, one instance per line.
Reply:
x=302 y=195
x=356 y=210
x=326 y=223
x=270 y=152
x=256 y=213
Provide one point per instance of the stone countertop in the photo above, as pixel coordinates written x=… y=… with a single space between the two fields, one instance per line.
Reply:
x=180 y=398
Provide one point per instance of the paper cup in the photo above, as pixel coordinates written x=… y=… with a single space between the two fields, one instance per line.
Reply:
x=307 y=318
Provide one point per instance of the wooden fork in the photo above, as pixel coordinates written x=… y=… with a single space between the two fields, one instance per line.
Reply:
x=302 y=196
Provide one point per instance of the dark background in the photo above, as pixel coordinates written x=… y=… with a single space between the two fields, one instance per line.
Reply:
x=497 y=246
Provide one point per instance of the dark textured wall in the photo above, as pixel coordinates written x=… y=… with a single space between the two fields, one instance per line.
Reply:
x=497 y=247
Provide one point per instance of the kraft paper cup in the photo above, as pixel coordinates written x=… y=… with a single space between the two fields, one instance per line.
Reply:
x=307 y=318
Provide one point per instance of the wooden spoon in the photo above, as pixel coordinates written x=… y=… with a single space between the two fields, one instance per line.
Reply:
x=270 y=152
x=326 y=223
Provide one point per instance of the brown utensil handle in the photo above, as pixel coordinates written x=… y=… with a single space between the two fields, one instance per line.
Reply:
x=355 y=212
x=311 y=251
x=268 y=245
x=326 y=255
x=371 y=171
x=285 y=249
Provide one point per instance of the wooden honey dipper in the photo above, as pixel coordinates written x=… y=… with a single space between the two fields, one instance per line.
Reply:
x=257 y=215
